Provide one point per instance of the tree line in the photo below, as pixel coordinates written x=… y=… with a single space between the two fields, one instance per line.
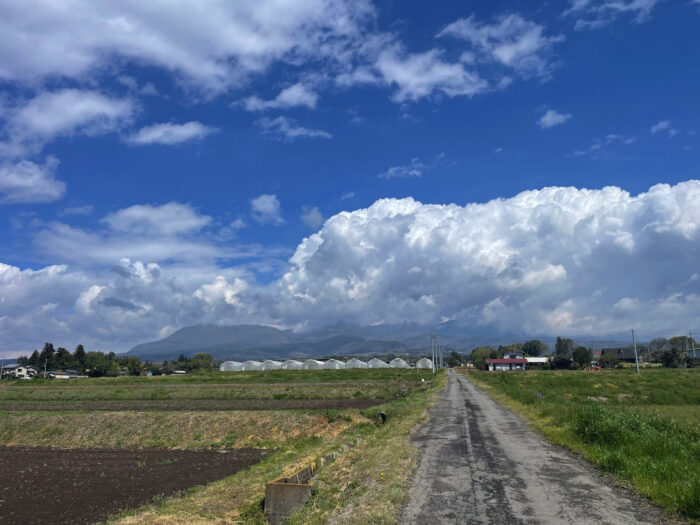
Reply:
x=99 y=364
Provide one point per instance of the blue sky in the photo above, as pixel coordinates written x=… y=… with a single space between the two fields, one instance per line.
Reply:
x=208 y=143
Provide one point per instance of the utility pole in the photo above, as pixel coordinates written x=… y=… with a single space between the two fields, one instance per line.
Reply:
x=693 y=340
x=45 y=368
x=634 y=344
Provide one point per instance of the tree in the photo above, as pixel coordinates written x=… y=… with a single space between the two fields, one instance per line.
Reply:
x=609 y=360
x=534 y=348
x=79 y=356
x=47 y=356
x=563 y=346
x=454 y=360
x=561 y=362
x=480 y=355
x=582 y=355
x=672 y=357
x=34 y=359
x=64 y=358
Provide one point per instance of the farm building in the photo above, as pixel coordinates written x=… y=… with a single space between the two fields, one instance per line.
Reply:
x=269 y=364
x=506 y=364
x=333 y=364
x=537 y=360
x=355 y=363
x=424 y=363
x=625 y=354
x=312 y=364
x=291 y=364
x=19 y=371
x=252 y=365
x=377 y=363
x=399 y=363
x=231 y=366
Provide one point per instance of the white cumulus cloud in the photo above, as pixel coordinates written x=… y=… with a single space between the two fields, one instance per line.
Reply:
x=292 y=96
x=286 y=129
x=53 y=114
x=211 y=45
x=512 y=41
x=311 y=216
x=266 y=209
x=26 y=181
x=553 y=118
x=170 y=134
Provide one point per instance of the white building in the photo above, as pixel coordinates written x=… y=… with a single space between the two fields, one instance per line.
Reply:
x=312 y=364
x=333 y=364
x=252 y=365
x=424 y=363
x=291 y=364
x=355 y=363
x=231 y=366
x=377 y=363
x=399 y=363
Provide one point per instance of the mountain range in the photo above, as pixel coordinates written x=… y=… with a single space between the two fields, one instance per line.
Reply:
x=241 y=342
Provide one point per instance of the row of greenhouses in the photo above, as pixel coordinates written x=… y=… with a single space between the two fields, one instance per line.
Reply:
x=313 y=364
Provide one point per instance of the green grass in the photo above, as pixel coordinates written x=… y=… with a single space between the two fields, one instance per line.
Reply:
x=642 y=428
x=262 y=376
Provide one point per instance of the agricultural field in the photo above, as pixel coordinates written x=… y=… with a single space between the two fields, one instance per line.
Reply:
x=92 y=436
x=643 y=429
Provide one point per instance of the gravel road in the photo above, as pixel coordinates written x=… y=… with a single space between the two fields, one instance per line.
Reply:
x=481 y=464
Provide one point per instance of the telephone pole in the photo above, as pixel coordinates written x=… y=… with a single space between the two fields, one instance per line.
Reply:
x=634 y=344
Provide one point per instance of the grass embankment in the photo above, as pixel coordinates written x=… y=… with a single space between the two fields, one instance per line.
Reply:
x=352 y=489
x=643 y=428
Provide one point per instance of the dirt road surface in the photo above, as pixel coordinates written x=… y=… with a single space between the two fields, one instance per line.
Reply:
x=481 y=464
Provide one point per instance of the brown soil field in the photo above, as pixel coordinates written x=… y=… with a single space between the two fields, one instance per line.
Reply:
x=191 y=404
x=85 y=486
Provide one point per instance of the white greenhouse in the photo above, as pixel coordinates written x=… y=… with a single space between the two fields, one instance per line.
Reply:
x=355 y=363
x=312 y=364
x=424 y=363
x=377 y=363
x=269 y=364
x=333 y=364
x=252 y=365
x=291 y=364
x=230 y=366
x=399 y=363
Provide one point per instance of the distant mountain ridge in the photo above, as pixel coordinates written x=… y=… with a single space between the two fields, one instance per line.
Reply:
x=241 y=342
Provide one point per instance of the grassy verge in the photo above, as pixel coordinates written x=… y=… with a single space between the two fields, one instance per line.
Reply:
x=630 y=425
x=367 y=484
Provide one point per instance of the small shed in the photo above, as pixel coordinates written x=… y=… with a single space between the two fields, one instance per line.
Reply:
x=231 y=366
x=355 y=363
x=424 y=363
x=292 y=364
x=399 y=363
x=269 y=364
x=333 y=364
x=312 y=364
x=377 y=363
x=252 y=365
